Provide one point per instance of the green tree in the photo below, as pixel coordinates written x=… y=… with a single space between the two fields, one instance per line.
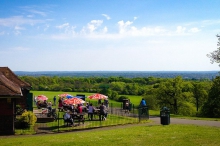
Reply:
x=215 y=55
x=200 y=94
x=212 y=106
x=170 y=93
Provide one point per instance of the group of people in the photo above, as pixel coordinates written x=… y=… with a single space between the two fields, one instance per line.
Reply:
x=74 y=112
x=102 y=111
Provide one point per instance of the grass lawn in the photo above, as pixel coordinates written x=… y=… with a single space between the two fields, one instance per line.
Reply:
x=50 y=94
x=134 y=135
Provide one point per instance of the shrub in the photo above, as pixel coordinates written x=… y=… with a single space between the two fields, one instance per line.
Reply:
x=187 y=109
x=27 y=118
x=151 y=102
x=120 y=99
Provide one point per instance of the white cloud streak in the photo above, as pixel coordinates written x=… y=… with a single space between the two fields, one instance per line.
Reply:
x=18 y=20
x=106 y=16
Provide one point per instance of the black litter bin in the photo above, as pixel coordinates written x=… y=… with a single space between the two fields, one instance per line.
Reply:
x=165 y=116
x=124 y=103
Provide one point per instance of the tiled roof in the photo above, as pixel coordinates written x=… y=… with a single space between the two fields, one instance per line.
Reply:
x=10 y=84
x=11 y=76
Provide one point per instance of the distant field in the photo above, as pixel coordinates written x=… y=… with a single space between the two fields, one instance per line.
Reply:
x=50 y=94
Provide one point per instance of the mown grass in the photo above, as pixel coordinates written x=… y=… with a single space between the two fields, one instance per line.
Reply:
x=112 y=120
x=135 y=135
x=50 y=94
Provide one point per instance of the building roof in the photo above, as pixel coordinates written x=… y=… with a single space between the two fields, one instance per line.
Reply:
x=11 y=76
x=10 y=84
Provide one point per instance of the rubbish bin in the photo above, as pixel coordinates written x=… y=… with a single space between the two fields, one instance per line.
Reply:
x=130 y=106
x=124 y=103
x=165 y=116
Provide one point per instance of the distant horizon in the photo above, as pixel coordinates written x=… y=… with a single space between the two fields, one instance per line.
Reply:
x=122 y=71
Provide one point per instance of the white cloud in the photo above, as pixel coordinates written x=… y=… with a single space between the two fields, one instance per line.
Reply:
x=123 y=26
x=18 y=20
x=18 y=28
x=38 y=12
x=106 y=16
x=194 y=30
x=35 y=10
x=46 y=27
x=65 y=25
x=105 y=30
x=93 y=25
x=135 y=18
x=126 y=29
x=180 y=29
x=30 y=16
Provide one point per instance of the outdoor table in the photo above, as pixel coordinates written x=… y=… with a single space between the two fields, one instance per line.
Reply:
x=96 y=113
x=78 y=116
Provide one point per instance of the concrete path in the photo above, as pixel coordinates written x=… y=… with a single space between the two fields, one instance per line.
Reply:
x=156 y=121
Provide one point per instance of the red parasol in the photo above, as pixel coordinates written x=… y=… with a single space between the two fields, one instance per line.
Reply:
x=41 y=97
x=63 y=95
x=98 y=96
x=73 y=100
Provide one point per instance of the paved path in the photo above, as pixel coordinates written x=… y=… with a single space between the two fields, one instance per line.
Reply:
x=156 y=121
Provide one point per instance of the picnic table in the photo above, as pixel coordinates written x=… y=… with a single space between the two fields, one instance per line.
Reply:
x=78 y=116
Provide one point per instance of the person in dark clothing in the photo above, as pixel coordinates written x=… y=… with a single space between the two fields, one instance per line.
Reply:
x=54 y=100
x=102 y=112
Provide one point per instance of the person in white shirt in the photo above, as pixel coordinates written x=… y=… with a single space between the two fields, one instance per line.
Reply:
x=90 y=111
x=67 y=117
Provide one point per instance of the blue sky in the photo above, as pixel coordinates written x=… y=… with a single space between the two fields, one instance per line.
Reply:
x=108 y=35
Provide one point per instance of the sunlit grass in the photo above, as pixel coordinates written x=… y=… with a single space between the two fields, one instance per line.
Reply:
x=136 y=135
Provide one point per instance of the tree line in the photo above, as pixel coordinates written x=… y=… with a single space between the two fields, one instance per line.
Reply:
x=185 y=97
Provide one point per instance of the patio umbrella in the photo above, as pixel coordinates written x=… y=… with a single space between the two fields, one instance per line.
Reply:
x=64 y=95
x=73 y=100
x=41 y=97
x=98 y=96
x=69 y=96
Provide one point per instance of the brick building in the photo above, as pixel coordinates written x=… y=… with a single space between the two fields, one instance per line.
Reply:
x=13 y=91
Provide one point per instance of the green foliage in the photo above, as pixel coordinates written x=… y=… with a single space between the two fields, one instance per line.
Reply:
x=28 y=117
x=152 y=102
x=158 y=92
x=120 y=99
x=186 y=109
x=212 y=106
x=67 y=90
x=170 y=93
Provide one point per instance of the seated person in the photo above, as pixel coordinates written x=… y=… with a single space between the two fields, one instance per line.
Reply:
x=49 y=106
x=45 y=103
x=79 y=108
x=67 y=117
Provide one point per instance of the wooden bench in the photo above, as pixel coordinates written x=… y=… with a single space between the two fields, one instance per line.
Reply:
x=44 y=119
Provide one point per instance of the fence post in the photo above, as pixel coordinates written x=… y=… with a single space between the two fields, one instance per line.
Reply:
x=139 y=113
x=133 y=108
x=111 y=108
x=58 y=122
